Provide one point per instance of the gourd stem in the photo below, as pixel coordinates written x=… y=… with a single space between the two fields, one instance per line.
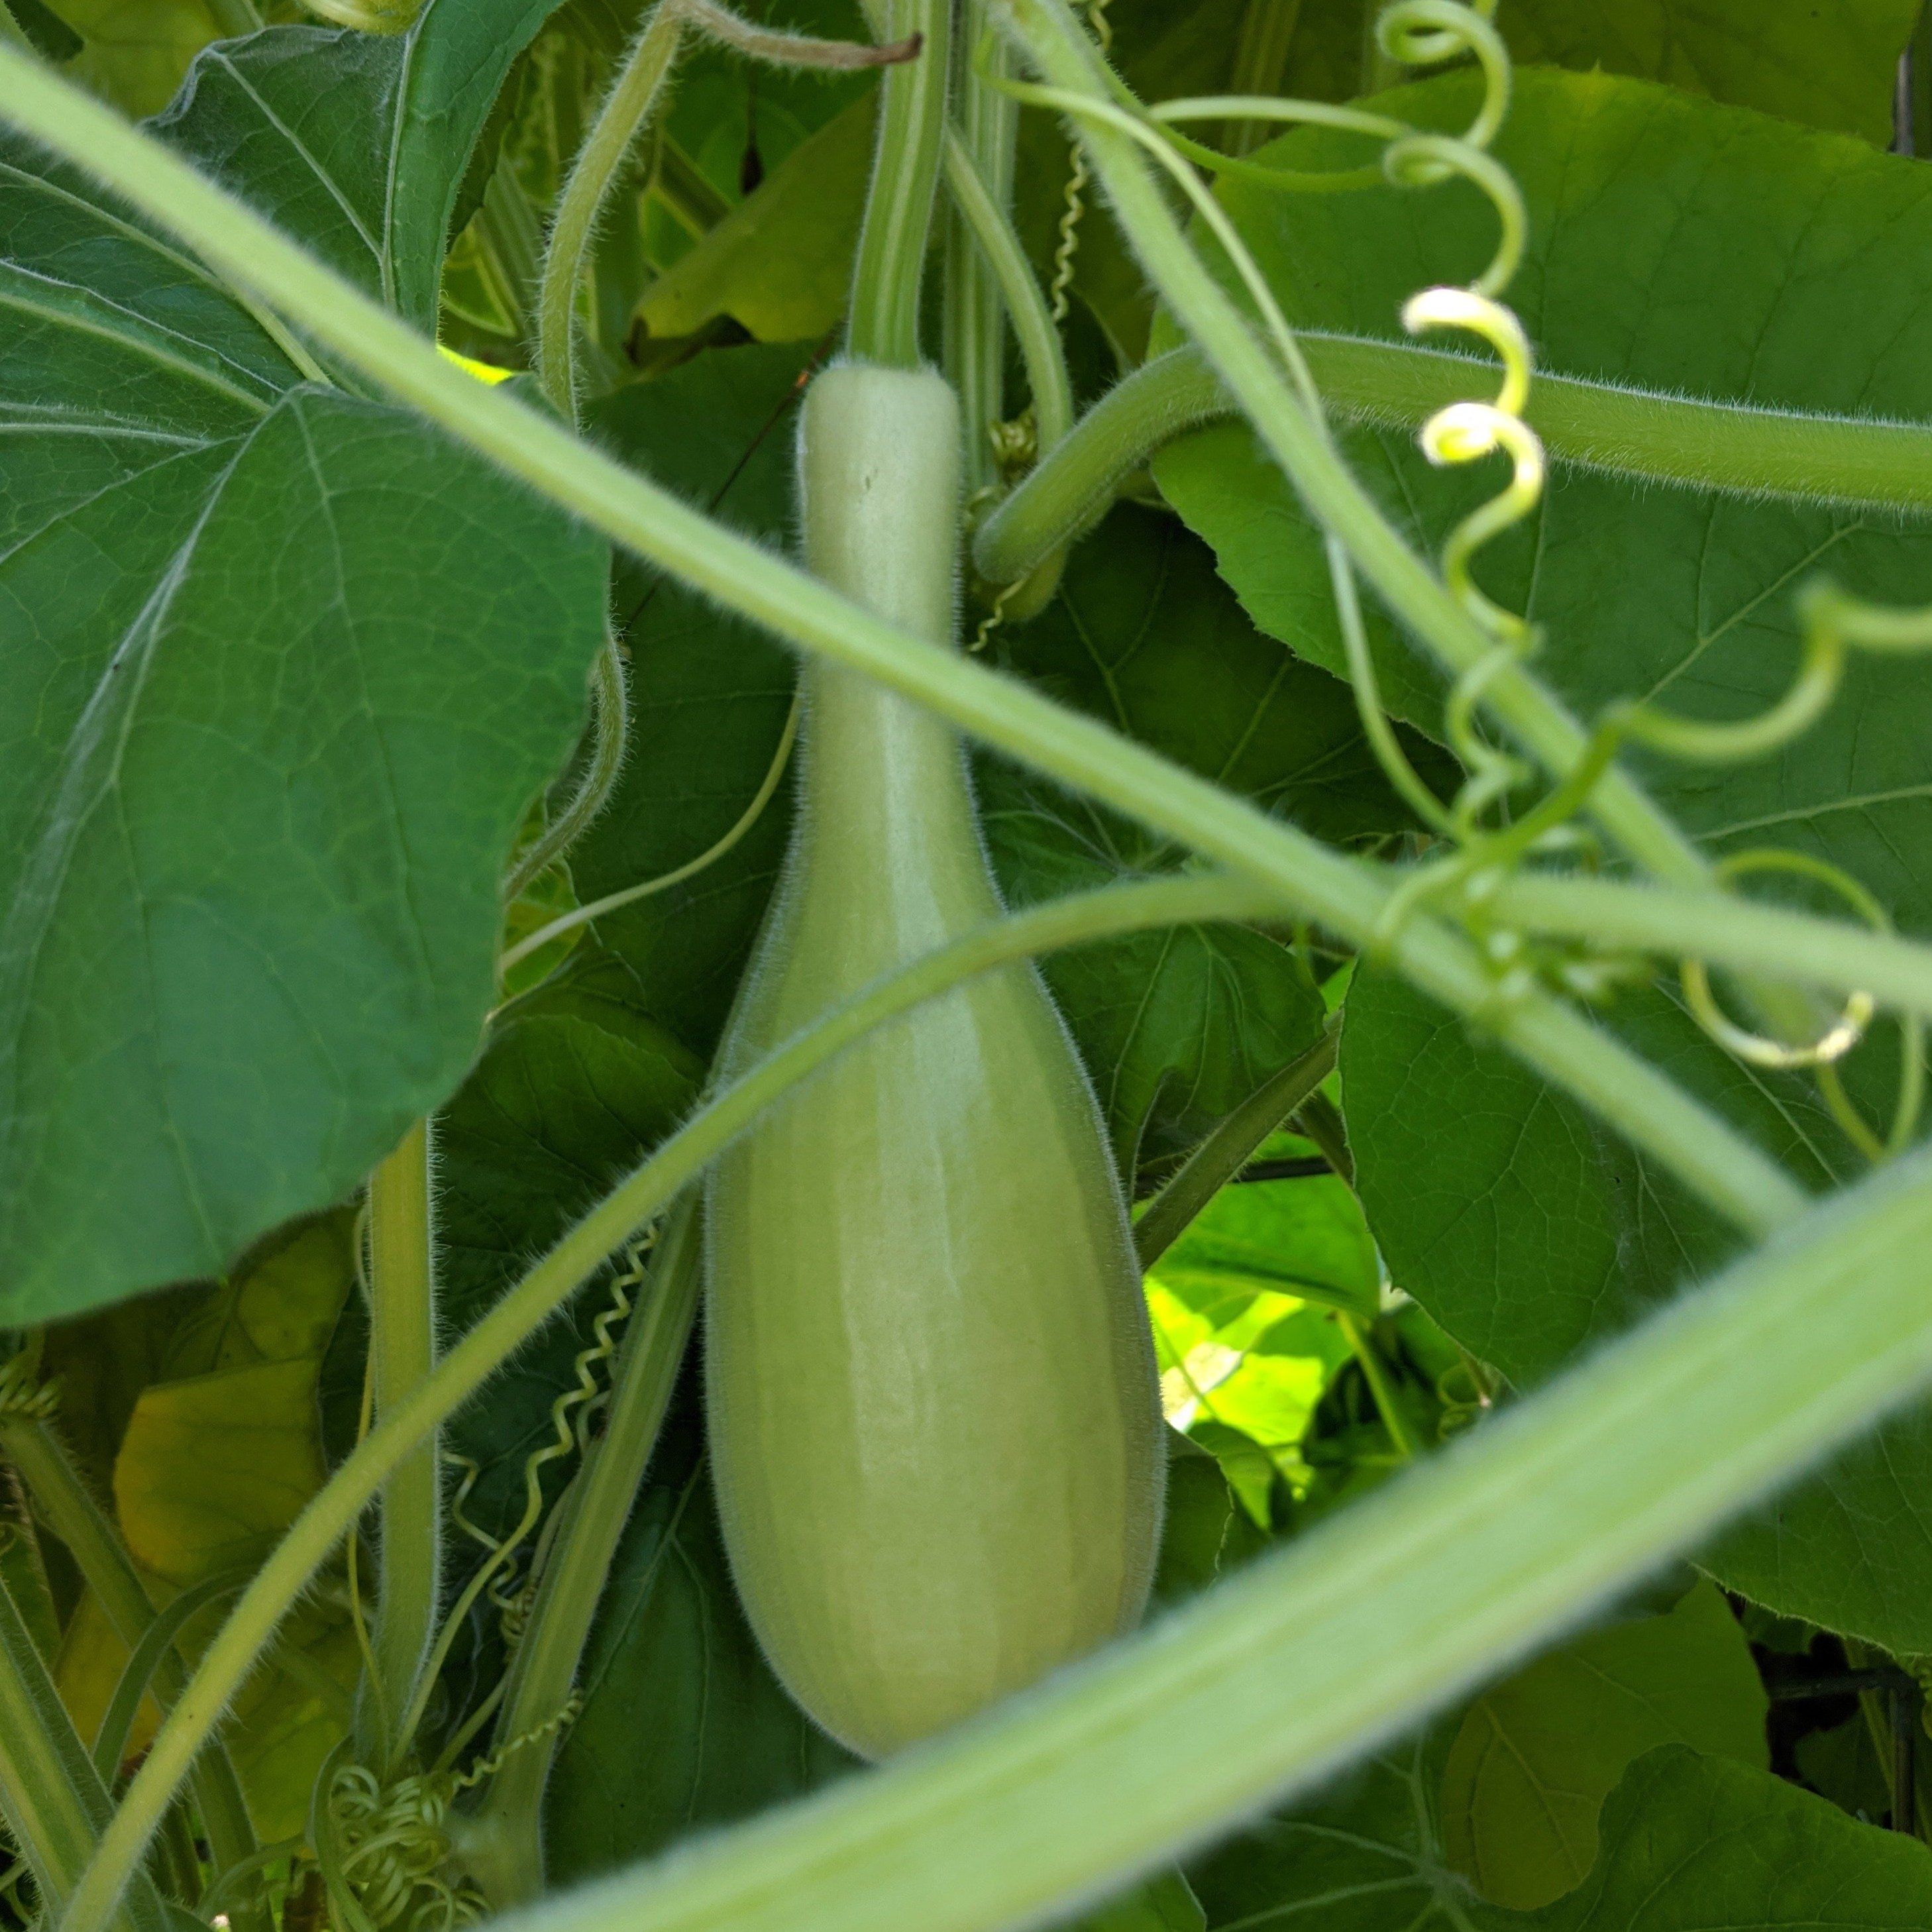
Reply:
x=1350 y=1634
x=625 y=113
x=1290 y=869
x=35 y=1453
x=402 y=1357
x=1726 y=448
x=985 y=123
x=504 y=1844
x=1230 y=1147
x=51 y=1795
x=888 y=272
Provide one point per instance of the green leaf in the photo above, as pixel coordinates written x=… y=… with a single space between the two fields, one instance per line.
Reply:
x=1362 y=1856
x=672 y=1660
x=1529 y=1231
x=1178 y=1026
x=1691 y=1844
x=1537 y=1754
x=1833 y=64
x=1680 y=246
x=1205 y=1534
x=357 y=143
x=710 y=693
x=779 y=264
x=280 y=669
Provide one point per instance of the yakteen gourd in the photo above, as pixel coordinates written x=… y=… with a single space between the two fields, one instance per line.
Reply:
x=934 y=1410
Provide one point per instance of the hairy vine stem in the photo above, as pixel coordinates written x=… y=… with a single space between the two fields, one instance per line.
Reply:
x=1727 y=447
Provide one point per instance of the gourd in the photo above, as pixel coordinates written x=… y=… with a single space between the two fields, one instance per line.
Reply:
x=933 y=1404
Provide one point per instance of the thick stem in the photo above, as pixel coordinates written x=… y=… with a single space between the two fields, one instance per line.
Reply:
x=1724 y=447
x=626 y=111
x=889 y=273
x=52 y=1797
x=1352 y=1633
x=402 y=1356
x=35 y=1453
x=1297 y=871
x=503 y=1846
x=1228 y=1149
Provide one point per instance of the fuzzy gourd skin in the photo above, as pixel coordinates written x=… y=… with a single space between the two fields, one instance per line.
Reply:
x=934 y=1417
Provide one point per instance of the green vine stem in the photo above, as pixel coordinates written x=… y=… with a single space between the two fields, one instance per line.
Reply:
x=1050 y=385
x=1727 y=447
x=1267 y=38
x=35 y=1453
x=626 y=111
x=503 y=1844
x=609 y=722
x=52 y=1797
x=1298 y=872
x=888 y=272
x=402 y=1358
x=1410 y=588
x=1833 y=956
x=1348 y=1636
x=985 y=122
x=1230 y=1147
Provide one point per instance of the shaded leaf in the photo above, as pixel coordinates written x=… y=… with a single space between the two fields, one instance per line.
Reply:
x=1362 y=1856
x=279 y=670
x=134 y=52
x=1536 y=1754
x=1527 y=1230
x=1178 y=1026
x=1691 y=1844
x=672 y=1660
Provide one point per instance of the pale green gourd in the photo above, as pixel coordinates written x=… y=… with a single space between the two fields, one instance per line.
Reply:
x=933 y=1411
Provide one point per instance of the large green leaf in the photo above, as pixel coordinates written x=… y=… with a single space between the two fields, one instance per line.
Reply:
x=1676 y=246
x=358 y=142
x=1178 y=1026
x=673 y=1665
x=1529 y=1231
x=1364 y=1856
x=1536 y=1754
x=1692 y=1843
x=1834 y=63
x=279 y=670
x=710 y=693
